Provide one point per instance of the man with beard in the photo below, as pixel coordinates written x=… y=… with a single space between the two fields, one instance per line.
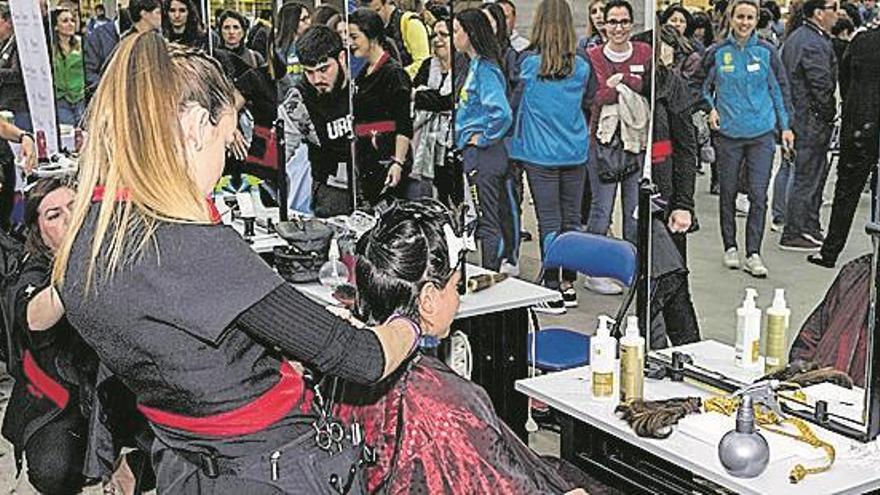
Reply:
x=317 y=111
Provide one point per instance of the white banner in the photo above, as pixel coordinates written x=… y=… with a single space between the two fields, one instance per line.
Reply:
x=33 y=54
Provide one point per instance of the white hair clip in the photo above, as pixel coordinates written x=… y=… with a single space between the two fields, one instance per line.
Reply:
x=455 y=244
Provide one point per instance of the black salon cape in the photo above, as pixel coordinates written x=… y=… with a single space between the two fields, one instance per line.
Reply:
x=164 y=325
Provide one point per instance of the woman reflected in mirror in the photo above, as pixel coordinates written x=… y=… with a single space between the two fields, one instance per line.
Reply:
x=67 y=67
x=182 y=24
x=381 y=105
x=233 y=28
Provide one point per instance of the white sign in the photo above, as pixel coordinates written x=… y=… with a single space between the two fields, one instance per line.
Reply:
x=36 y=70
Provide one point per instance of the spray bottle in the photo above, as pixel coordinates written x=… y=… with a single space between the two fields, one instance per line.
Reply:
x=333 y=273
x=603 y=348
x=748 y=331
x=632 y=362
x=777 y=328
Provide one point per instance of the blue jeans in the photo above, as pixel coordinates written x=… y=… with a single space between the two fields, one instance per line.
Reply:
x=488 y=169
x=781 y=187
x=557 y=192
x=758 y=153
x=602 y=205
x=810 y=172
x=69 y=113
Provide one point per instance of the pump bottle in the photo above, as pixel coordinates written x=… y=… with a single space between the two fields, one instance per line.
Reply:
x=778 y=316
x=632 y=362
x=603 y=348
x=748 y=331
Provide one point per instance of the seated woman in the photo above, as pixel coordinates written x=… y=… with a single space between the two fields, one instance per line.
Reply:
x=836 y=333
x=434 y=431
x=46 y=356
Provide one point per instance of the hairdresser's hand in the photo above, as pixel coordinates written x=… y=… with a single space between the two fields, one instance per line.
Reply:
x=788 y=139
x=28 y=154
x=346 y=315
x=394 y=174
x=238 y=148
x=475 y=139
x=578 y=491
x=714 y=120
x=614 y=80
x=680 y=221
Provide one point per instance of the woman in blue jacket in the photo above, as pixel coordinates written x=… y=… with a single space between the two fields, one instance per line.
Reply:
x=747 y=89
x=550 y=134
x=482 y=119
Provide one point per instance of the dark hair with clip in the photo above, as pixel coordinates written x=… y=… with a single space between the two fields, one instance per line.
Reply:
x=403 y=252
x=373 y=28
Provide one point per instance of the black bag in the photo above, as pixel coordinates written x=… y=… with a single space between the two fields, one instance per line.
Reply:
x=309 y=249
x=11 y=257
x=613 y=163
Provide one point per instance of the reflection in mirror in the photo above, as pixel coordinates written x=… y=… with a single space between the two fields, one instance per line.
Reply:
x=240 y=41
x=182 y=23
x=316 y=93
x=67 y=67
x=809 y=324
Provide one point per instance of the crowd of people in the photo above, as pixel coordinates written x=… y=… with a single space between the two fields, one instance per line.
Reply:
x=411 y=109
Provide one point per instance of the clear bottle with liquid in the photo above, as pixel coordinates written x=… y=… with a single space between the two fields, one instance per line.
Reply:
x=333 y=273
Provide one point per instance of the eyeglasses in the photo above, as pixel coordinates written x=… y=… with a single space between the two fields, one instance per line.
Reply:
x=624 y=23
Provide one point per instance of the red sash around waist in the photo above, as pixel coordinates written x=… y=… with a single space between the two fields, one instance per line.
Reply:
x=41 y=385
x=256 y=416
x=373 y=128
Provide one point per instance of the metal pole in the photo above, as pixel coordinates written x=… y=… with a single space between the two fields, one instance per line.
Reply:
x=352 y=164
x=643 y=244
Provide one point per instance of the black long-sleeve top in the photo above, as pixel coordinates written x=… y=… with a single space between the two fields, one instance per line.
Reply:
x=676 y=173
x=430 y=98
x=381 y=113
x=199 y=324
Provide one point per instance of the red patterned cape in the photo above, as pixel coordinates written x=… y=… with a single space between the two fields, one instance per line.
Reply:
x=452 y=440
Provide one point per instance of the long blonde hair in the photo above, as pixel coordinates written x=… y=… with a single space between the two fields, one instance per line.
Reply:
x=136 y=148
x=554 y=37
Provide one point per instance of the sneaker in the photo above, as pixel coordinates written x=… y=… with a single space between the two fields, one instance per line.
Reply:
x=816 y=238
x=818 y=259
x=553 y=307
x=777 y=226
x=797 y=243
x=511 y=270
x=569 y=297
x=754 y=266
x=731 y=259
x=742 y=205
x=602 y=285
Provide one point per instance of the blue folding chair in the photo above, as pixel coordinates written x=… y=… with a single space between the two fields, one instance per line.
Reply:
x=558 y=349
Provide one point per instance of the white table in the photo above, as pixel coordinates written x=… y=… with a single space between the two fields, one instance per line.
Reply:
x=510 y=294
x=856 y=470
